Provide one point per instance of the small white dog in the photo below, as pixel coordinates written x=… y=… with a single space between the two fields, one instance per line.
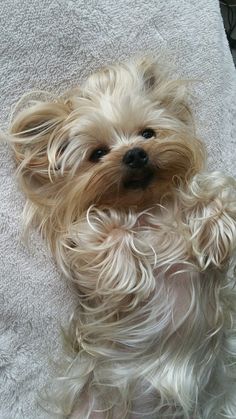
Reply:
x=115 y=180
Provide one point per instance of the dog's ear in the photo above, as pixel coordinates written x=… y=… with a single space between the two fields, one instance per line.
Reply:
x=35 y=136
x=149 y=71
x=165 y=90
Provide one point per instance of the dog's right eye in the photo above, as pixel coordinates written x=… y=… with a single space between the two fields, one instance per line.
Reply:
x=98 y=154
x=147 y=133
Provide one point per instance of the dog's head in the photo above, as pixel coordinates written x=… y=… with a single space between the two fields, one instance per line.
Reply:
x=123 y=139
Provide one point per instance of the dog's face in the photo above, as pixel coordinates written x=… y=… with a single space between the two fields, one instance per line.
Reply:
x=122 y=140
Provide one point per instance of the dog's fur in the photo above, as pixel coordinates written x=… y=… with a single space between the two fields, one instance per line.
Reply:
x=150 y=248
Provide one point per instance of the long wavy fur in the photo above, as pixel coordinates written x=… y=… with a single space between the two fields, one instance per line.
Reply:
x=154 y=335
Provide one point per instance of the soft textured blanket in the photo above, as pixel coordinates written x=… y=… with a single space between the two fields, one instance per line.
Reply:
x=52 y=45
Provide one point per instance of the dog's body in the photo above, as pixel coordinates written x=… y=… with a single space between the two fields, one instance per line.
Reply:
x=115 y=179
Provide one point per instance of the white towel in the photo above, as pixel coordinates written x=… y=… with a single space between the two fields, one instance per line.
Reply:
x=53 y=45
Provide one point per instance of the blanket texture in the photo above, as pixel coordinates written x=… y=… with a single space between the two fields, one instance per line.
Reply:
x=53 y=45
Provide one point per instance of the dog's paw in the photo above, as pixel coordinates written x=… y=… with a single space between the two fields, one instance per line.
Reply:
x=209 y=208
x=105 y=255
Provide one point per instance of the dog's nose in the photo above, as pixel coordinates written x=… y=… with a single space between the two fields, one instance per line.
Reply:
x=136 y=158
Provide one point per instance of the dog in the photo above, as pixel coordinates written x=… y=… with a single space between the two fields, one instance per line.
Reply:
x=115 y=179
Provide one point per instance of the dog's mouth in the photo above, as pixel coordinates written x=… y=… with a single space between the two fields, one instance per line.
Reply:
x=139 y=180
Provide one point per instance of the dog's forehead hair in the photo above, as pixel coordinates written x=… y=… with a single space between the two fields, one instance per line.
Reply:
x=124 y=113
x=111 y=117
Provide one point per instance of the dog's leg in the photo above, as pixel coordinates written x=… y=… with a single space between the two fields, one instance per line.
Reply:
x=112 y=269
x=228 y=407
x=209 y=208
x=219 y=400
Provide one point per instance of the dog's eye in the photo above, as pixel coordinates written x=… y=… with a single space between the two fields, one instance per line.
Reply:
x=147 y=133
x=98 y=154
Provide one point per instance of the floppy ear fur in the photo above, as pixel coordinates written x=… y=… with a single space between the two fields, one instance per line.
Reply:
x=37 y=139
x=34 y=132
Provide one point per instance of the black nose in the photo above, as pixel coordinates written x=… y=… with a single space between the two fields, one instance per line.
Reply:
x=136 y=158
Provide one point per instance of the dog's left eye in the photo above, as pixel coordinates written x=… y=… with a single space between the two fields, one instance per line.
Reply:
x=147 y=133
x=98 y=154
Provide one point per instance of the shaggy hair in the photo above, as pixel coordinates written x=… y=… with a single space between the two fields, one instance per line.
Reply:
x=115 y=180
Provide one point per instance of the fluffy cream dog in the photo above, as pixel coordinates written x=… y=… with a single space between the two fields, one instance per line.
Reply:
x=115 y=180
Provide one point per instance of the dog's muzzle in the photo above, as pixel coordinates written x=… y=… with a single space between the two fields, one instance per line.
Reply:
x=139 y=174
